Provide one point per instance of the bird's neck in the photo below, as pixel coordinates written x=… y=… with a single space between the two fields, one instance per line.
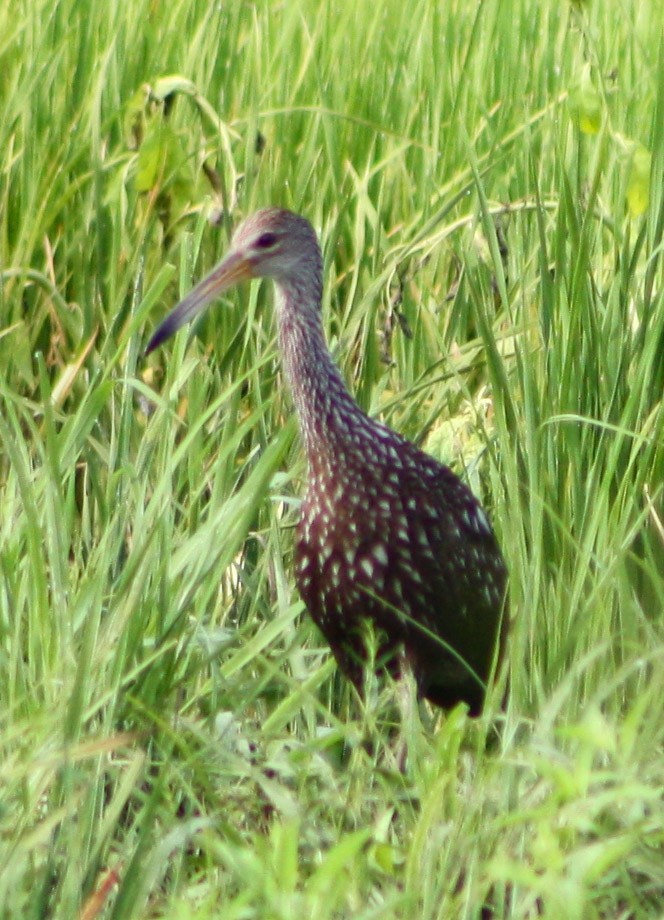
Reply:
x=331 y=422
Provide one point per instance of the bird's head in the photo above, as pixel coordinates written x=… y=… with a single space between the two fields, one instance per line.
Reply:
x=272 y=243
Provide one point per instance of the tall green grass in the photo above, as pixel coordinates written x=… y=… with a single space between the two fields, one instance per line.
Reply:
x=175 y=741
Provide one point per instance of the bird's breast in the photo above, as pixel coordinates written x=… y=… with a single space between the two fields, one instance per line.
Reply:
x=342 y=550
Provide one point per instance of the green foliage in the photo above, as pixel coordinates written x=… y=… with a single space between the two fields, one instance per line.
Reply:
x=175 y=742
x=586 y=103
x=638 y=185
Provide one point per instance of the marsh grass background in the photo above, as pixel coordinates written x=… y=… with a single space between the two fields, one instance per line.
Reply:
x=175 y=742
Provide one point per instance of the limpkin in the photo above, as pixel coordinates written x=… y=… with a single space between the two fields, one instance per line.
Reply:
x=386 y=533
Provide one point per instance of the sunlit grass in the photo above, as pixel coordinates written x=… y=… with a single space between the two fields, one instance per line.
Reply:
x=175 y=739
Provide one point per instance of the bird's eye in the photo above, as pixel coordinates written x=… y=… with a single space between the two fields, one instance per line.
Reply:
x=266 y=241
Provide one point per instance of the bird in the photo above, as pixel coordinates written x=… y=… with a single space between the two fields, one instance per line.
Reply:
x=387 y=535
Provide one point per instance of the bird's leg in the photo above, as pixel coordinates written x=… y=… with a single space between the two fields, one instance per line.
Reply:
x=410 y=725
x=382 y=659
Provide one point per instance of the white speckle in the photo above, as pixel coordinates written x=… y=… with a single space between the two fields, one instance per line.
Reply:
x=481 y=520
x=368 y=566
x=380 y=554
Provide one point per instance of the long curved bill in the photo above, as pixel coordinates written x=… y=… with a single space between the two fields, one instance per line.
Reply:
x=231 y=269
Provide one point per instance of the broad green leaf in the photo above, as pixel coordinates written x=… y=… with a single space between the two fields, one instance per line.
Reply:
x=161 y=155
x=174 y=83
